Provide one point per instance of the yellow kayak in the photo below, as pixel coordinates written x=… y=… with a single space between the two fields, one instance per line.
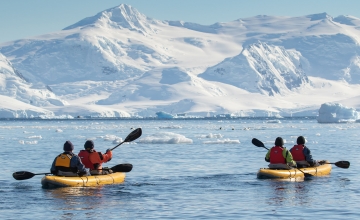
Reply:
x=294 y=174
x=96 y=180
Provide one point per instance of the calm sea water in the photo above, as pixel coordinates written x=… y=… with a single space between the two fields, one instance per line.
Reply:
x=214 y=177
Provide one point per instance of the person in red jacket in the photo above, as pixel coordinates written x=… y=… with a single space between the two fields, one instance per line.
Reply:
x=93 y=159
x=302 y=154
x=279 y=157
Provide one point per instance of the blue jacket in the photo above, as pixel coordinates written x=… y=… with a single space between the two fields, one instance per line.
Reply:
x=75 y=164
x=308 y=156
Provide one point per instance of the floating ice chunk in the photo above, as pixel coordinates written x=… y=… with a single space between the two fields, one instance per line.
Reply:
x=166 y=138
x=59 y=130
x=21 y=142
x=170 y=127
x=109 y=137
x=214 y=135
x=273 y=121
x=35 y=137
x=337 y=113
x=225 y=141
x=117 y=141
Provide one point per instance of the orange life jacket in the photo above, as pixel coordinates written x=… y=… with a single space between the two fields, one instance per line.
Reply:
x=63 y=162
x=85 y=159
x=297 y=152
x=276 y=155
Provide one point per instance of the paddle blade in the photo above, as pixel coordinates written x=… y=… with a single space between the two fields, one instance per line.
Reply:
x=135 y=134
x=307 y=174
x=125 y=168
x=343 y=164
x=257 y=143
x=23 y=175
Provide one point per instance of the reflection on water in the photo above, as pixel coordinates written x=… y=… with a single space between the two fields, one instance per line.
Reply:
x=289 y=193
x=75 y=198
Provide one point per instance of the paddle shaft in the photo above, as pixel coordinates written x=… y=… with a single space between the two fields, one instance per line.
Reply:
x=41 y=173
x=135 y=134
x=117 y=146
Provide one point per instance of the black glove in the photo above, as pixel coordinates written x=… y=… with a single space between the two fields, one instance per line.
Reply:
x=321 y=162
x=108 y=151
x=82 y=173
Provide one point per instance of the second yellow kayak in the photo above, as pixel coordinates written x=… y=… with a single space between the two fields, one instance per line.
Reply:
x=294 y=174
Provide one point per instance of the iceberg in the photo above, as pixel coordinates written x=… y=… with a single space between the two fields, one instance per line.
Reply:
x=336 y=113
x=164 y=115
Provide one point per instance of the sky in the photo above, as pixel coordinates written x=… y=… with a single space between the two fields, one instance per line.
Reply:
x=26 y=18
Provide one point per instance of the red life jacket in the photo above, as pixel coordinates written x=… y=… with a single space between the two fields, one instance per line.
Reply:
x=84 y=156
x=297 y=152
x=276 y=155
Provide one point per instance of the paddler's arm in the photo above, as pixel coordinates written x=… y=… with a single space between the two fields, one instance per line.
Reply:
x=99 y=158
x=288 y=157
x=267 y=157
x=53 y=169
x=308 y=156
x=76 y=162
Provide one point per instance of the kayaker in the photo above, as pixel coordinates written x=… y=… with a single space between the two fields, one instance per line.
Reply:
x=68 y=163
x=279 y=157
x=302 y=155
x=93 y=159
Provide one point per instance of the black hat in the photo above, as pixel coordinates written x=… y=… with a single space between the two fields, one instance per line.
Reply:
x=68 y=146
x=279 y=141
x=89 y=144
x=300 y=140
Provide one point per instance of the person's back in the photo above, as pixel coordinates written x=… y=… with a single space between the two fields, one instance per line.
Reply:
x=279 y=157
x=68 y=163
x=93 y=159
x=302 y=154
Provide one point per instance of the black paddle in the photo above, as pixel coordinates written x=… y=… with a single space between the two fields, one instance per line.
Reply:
x=24 y=175
x=123 y=168
x=341 y=164
x=135 y=134
x=258 y=143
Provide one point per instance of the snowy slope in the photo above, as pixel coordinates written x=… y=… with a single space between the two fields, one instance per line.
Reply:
x=14 y=85
x=121 y=63
x=261 y=68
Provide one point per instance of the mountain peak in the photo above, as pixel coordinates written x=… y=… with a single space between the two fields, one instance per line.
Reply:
x=122 y=16
x=320 y=16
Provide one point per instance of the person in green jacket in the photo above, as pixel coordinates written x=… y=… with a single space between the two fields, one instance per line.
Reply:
x=279 y=157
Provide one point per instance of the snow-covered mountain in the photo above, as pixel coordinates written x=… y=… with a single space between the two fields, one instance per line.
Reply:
x=13 y=85
x=121 y=63
x=262 y=68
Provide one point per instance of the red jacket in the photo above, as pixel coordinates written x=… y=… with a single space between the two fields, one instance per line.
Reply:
x=93 y=160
